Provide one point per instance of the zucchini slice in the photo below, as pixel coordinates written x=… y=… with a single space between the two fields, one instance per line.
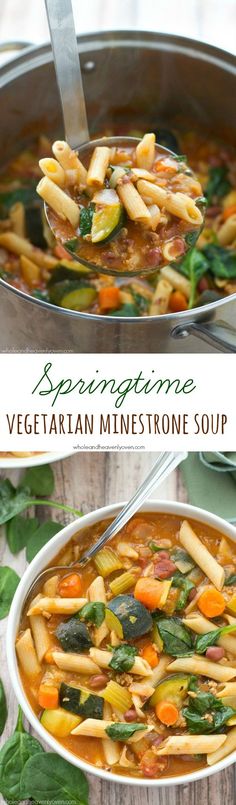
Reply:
x=81 y=702
x=59 y=723
x=128 y=617
x=79 y=299
x=107 y=222
x=173 y=689
x=73 y=635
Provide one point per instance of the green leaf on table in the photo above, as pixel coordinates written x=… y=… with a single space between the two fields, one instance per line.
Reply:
x=121 y=732
x=218 y=184
x=50 y=779
x=12 y=501
x=3 y=708
x=93 y=612
x=221 y=262
x=204 y=641
x=19 y=530
x=123 y=658
x=206 y=714
x=13 y=757
x=193 y=266
x=39 y=480
x=40 y=537
x=9 y=581
x=177 y=638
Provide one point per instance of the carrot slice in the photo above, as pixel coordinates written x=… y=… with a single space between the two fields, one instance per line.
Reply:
x=178 y=302
x=70 y=586
x=109 y=298
x=150 y=654
x=211 y=603
x=229 y=211
x=149 y=592
x=167 y=712
x=48 y=697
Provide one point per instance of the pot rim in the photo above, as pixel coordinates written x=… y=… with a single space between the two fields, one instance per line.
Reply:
x=44 y=556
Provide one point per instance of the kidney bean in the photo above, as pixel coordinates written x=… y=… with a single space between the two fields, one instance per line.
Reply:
x=98 y=681
x=215 y=653
x=153 y=256
x=163 y=555
x=164 y=569
x=203 y=285
x=151 y=765
x=154 y=739
x=130 y=715
x=192 y=594
x=214 y=210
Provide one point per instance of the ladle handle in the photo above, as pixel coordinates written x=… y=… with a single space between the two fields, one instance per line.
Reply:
x=164 y=465
x=68 y=72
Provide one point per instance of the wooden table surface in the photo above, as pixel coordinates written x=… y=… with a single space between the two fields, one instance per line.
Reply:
x=88 y=481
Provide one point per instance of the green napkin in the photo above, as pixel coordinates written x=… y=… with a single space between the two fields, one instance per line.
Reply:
x=210 y=480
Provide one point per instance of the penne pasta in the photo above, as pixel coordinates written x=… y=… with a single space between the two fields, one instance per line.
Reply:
x=77 y=663
x=145 y=151
x=229 y=689
x=202 y=625
x=60 y=202
x=27 y=655
x=103 y=659
x=96 y=592
x=201 y=555
x=160 y=300
x=98 y=166
x=227 y=232
x=41 y=635
x=133 y=203
x=178 y=204
x=13 y=243
x=111 y=748
x=30 y=271
x=160 y=670
x=50 y=587
x=200 y=665
x=69 y=160
x=17 y=219
x=191 y=744
x=228 y=746
x=57 y=606
x=177 y=280
x=53 y=170
x=95 y=728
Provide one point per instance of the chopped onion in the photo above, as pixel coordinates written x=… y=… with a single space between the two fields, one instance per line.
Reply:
x=107 y=196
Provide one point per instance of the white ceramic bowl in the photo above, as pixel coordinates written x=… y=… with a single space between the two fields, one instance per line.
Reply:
x=39 y=563
x=16 y=462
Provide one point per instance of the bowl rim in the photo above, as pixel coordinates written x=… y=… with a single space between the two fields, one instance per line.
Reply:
x=38 y=563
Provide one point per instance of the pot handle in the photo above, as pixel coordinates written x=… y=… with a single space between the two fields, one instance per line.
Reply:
x=220 y=335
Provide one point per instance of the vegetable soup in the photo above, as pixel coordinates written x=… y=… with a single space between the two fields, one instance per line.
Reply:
x=130 y=661
x=32 y=261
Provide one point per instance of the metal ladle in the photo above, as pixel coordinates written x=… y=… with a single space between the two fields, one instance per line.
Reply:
x=70 y=85
x=164 y=465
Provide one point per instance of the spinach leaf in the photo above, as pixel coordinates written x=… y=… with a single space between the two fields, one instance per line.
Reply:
x=3 y=708
x=193 y=266
x=221 y=262
x=218 y=183
x=177 y=639
x=211 y=638
x=93 y=612
x=123 y=658
x=185 y=585
x=71 y=244
x=13 y=757
x=205 y=704
x=19 y=530
x=26 y=195
x=12 y=501
x=154 y=547
x=39 y=480
x=86 y=219
x=230 y=580
x=50 y=779
x=121 y=732
x=40 y=537
x=127 y=309
x=9 y=581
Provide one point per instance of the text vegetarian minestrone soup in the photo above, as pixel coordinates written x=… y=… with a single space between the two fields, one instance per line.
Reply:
x=130 y=661
x=32 y=261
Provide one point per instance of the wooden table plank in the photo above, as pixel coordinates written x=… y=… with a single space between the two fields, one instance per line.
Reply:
x=89 y=481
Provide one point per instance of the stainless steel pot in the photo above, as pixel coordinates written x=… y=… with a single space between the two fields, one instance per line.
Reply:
x=156 y=79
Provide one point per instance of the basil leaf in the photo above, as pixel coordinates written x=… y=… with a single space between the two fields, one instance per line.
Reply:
x=230 y=580
x=177 y=638
x=221 y=262
x=205 y=704
x=86 y=219
x=40 y=537
x=19 y=530
x=93 y=612
x=50 y=779
x=218 y=183
x=121 y=732
x=123 y=658
x=193 y=266
x=13 y=757
x=204 y=641
x=9 y=581
x=185 y=585
x=3 y=708
x=39 y=480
